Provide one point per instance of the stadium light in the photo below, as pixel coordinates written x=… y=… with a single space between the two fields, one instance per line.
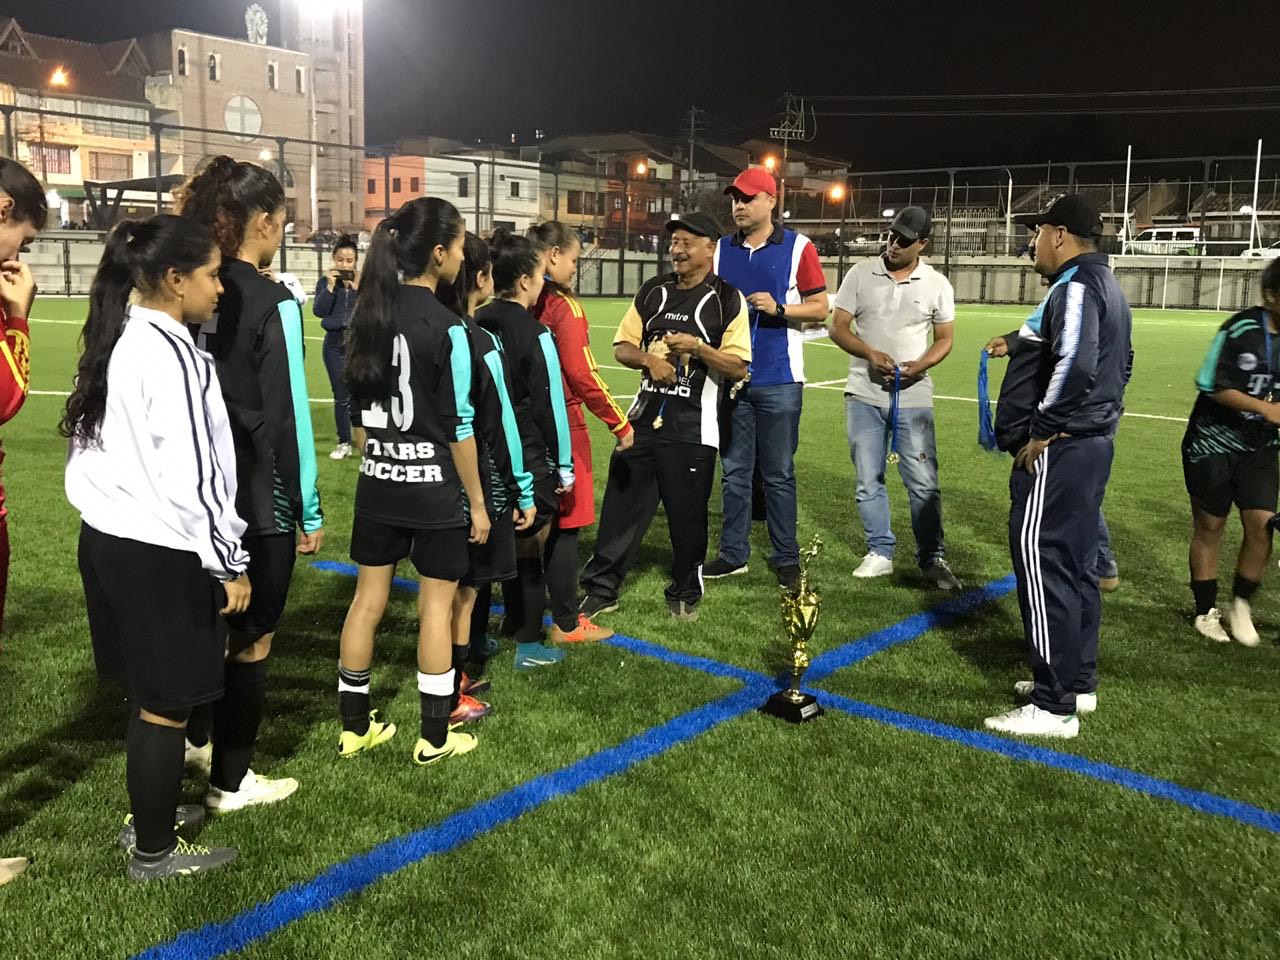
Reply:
x=888 y=212
x=770 y=162
x=264 y=155
x=59 y=77
x=1246 y=209
x=786 y=214
x=837 y=192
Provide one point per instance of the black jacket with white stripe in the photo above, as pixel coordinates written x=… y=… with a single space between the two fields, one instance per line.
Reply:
x=1072 y=361
x=163 y=470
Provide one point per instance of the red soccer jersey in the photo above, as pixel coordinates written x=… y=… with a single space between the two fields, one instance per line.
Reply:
x=15 y=368
x=567 y=321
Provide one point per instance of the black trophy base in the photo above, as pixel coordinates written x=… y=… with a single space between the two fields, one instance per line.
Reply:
x=781 y=705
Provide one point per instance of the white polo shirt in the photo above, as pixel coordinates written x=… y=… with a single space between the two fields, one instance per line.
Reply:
x=897 y=317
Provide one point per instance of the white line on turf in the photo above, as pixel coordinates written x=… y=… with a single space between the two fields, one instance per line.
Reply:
x=64 y=393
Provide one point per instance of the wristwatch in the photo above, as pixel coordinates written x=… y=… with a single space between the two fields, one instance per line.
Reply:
x=781 y=311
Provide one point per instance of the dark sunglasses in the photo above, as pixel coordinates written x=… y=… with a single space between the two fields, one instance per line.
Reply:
x=898 y=240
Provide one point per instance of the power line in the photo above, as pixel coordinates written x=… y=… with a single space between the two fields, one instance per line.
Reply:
x=1057 y=112
x=1191 y=92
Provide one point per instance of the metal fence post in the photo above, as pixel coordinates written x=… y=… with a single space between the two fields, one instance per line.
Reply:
x=386 y=185
x=66 y=267
x=284 y=238
x=8 y=131
x=155 y=129
x=1164 y=288
x=626 y=226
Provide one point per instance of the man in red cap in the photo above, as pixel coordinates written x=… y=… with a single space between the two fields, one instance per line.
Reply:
x=777 y=270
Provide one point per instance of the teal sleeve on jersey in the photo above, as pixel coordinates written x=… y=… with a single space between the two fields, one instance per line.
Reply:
x=510 y=429
x=460 y=369
x=563 y=451
x=308 y=474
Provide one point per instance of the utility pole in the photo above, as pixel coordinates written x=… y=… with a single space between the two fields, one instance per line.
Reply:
x=695 y=118
x=792 y=127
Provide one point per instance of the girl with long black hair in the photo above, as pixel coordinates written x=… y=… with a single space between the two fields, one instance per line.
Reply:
x=409 y=370
x=152 y=471
x=256 y=341
x=508 y=485
x=538 y=397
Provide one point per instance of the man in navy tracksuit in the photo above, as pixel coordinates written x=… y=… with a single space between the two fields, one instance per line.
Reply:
x=1060 y=402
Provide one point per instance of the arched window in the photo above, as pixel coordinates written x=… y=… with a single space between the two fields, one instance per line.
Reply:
x=182 y=61
x=215 y=67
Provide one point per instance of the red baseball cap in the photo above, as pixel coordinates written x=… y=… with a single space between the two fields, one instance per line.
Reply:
x=752 y=181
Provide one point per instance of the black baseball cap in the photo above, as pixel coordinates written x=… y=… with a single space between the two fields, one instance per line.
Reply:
x=914 y=223
x=1071 y=210
x=699 y=222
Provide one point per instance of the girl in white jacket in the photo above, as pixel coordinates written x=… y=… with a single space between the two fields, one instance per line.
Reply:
x=152 y=471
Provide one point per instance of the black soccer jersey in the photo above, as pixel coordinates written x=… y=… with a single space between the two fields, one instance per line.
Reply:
x=407 y=477
x=506 y=481
x=537 y=388
x=256 y=342
x=714 y=312
x=1243 y=356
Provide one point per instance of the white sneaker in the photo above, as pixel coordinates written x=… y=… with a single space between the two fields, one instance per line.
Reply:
x=1240 y=619
x=1085 y=702
x=940 y=574
x=874 y=565
x=254 y=791
x=341 y=452
x=199 y=759
x=1210 y=625
x=1031 y=721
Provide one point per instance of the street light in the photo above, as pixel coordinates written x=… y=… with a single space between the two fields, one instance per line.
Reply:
x=837 y=192
x=59 y=77
x=642 y=169
x=770 y=162
x=264 y=155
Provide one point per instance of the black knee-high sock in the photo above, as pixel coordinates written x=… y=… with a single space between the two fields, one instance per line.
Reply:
x=562 y=578
x=1244 y=588
x=1206 y=594
x=433 y=697
x=235 y=722
x=200 y=725
x=459 y=661
x=512 y=605
x=153 y=771
x=533 y=591
x=353 y=699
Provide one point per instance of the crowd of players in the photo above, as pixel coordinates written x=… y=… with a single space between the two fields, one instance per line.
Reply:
x=462 y=366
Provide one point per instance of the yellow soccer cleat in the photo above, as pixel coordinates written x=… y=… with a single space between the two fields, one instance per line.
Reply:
x=350 y=744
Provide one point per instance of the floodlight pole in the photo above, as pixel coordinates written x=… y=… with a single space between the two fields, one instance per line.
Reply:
x=1128 y=168
x=1257 y=174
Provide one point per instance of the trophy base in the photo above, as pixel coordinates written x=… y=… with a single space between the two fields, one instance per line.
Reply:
x=781 y=705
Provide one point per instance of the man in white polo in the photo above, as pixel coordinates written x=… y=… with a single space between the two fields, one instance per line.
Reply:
x=894 y=317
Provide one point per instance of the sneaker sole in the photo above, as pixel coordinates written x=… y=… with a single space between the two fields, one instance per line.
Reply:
x=720 y=576
x=1069 y=734
x=607 y=608
x=524 y=666
x=265 y=801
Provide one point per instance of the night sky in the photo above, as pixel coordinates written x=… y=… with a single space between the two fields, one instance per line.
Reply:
x=470 y=69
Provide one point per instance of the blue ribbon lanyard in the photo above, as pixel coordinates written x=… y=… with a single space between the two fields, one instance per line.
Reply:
x=891 y=441
x=986 y=420
x=1266 y=338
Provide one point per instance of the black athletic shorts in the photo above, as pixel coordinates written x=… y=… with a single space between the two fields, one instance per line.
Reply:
x=546 y=501
x=271 y=559
x=494 y=560
x=439 y=554
x=1249 y=480
x=154 y=621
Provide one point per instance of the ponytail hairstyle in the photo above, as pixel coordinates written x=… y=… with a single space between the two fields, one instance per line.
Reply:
x=553 y=233
x=226 y=195
x=401 y=246
x=476 y=260
x=137 y=256
x=513 y=257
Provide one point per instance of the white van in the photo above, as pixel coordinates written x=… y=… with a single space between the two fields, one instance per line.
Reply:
x=1167 y=240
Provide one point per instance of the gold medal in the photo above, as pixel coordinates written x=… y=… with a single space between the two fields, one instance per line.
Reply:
x=891 y=459
x=657 y=422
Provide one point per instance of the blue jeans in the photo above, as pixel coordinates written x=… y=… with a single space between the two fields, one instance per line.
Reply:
x=764 y=424
x=335 y=359
x=1106 y=567
x=867 y=426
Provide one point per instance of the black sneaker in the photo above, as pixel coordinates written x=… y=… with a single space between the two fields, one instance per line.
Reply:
x=683 y=612
x=720 y=567
x=788 y=577
x=187 y=820
x=593 y=606
x=183 y=860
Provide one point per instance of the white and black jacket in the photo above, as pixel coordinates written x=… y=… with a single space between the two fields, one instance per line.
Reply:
x=163 y=469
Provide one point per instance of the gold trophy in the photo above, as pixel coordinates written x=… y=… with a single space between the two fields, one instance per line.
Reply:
x=800 y=609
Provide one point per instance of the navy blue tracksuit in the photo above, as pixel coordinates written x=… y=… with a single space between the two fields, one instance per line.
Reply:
x=1065 y=381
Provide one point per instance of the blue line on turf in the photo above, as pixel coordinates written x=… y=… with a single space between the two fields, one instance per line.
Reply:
x=350 y=570
x=848 y=654
x=714 y=667
x=357 y=873
x=1198 y=800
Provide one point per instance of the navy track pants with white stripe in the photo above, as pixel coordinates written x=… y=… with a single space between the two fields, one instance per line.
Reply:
x=1053 y=536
